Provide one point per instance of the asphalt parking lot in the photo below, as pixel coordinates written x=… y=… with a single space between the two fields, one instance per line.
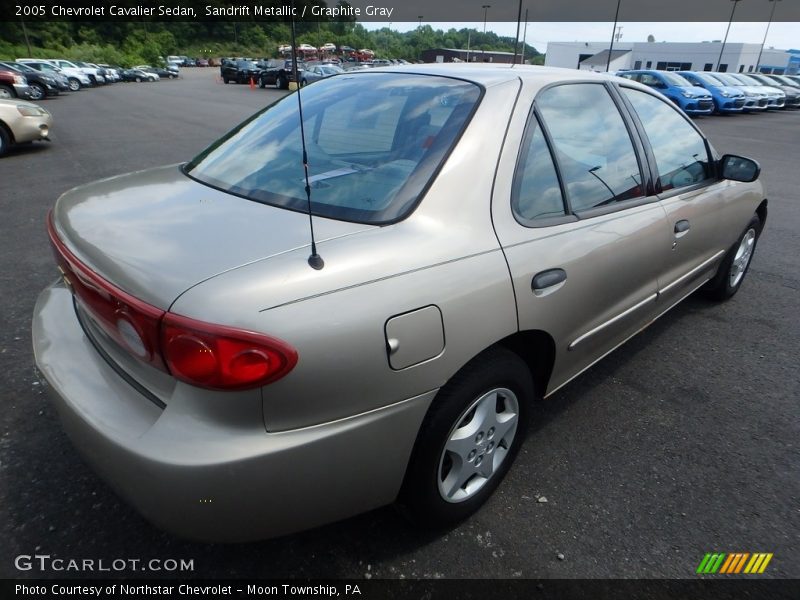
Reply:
x=682 y=442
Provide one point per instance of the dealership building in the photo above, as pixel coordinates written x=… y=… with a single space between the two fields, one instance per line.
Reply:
x=672 y=56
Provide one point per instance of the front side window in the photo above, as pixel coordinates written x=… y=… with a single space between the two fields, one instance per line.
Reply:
x=593 y=148
x=374 y=142
x=680 y=151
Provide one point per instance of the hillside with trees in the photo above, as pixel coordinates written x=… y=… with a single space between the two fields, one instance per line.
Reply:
x=136 y=42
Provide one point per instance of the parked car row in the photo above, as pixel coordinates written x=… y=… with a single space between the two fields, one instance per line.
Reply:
x=279 y=72
x=707 y=92
x=36 y=79
x=28 y=79
x=185 y=61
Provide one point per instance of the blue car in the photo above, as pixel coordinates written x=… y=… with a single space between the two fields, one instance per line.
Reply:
x=691 y=99
x=727 y=99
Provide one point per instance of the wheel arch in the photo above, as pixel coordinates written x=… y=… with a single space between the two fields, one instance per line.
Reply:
x=761 y=211
x=538 y=350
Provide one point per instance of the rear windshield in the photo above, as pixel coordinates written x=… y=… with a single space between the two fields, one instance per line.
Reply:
x=375 y=141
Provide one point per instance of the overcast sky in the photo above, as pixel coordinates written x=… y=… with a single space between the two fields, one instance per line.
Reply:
x=781 y=35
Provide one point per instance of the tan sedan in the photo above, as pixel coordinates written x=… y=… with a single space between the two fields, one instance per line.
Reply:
x=22 y=122
x=482 y=235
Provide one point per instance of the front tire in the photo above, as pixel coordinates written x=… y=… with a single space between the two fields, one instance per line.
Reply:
x=7 y=93
x=37 y=91
x=469 y=439
x=734 y=267
x=74 y=84
x=5 y=141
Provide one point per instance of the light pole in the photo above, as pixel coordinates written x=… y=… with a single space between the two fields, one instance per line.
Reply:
x=725 y=40
x=485 y=8
x=613 y=31
x=771 y=14
x=420 y=21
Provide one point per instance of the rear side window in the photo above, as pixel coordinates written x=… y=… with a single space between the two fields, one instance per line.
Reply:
x=593 y=148
x=374 y=141
x=536 y=193
x=680 y=151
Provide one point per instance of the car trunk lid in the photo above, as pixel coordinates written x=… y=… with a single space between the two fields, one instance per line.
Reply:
x=154 y=234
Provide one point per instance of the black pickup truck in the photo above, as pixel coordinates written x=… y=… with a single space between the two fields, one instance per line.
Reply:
x=239 y=71
x=278 y=73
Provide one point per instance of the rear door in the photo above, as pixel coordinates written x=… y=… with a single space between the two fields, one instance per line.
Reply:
x=583 y=235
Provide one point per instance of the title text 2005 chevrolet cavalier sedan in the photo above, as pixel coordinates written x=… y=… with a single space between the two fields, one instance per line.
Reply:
x=483 y=235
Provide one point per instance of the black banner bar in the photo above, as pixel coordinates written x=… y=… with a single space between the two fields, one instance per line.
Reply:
x=396 y=11
x=711 y=588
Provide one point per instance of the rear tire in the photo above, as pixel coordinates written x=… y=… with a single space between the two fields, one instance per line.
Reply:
x=734 y=267
x=74 y=84
x=7 y=93
x=468 y=440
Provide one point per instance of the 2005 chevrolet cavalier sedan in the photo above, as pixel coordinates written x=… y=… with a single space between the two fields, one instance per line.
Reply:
x=483 y=235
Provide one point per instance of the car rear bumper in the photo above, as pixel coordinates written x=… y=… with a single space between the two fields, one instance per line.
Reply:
x=200 y=479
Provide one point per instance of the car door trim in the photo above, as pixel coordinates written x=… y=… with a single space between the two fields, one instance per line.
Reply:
x=630 y=337
x=612 y=320
x=691 y=273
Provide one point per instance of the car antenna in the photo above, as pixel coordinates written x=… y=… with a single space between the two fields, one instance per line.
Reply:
x=314 y=260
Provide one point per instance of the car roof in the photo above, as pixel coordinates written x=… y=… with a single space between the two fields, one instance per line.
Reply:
x=488 y=74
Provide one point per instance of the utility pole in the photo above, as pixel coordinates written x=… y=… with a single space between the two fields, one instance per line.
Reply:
x=613 y=31
x=758 y=61
x=524 y=37
x=27 y=41
x=725 y=41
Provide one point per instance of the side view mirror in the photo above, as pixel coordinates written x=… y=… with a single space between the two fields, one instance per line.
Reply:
x=739 y=168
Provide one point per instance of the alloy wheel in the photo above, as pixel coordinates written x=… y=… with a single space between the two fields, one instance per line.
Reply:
x=478 y=444
x=742 y=258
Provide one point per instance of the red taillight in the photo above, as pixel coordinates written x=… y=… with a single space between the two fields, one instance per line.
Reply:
x=201 y=354
x=132 y=323
x=218 y=357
